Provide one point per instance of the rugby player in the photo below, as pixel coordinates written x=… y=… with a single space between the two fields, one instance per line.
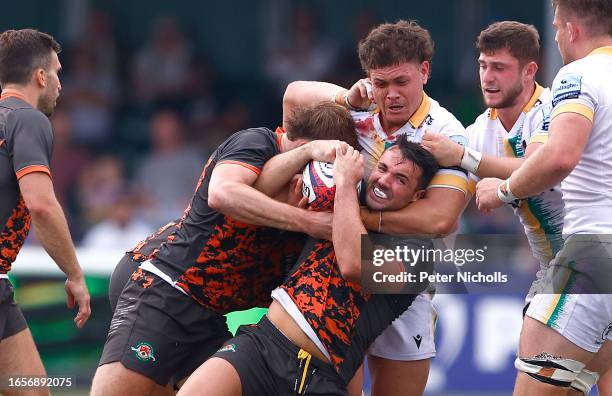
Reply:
x=320 y=324
x=29 y=68
x=513 y=126
x=226 y=253
x=565 y=336
x=397 y=60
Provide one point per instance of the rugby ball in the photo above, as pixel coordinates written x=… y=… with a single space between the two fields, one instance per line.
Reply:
x=318 y=185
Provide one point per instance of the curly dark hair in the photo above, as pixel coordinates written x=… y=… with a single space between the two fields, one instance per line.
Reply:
x=391 y=44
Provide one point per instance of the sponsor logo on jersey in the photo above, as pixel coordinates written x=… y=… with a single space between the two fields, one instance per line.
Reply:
x=567 y=87
x=144 y=351
x=228 y=348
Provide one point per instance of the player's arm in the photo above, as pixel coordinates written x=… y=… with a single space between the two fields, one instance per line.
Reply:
x=280 y=169
x=449 y=154
x=52 y=230
x=545 y=168
x=306 y=93
x=548 y=166
x=231 y=192
x=347 y=226
x=437 y=213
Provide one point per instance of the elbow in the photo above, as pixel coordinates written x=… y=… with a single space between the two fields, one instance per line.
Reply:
x=443 y=227
x=39 y=208
x=351 y=271
x=292 y=93
x=218 y=198
x=564 y=167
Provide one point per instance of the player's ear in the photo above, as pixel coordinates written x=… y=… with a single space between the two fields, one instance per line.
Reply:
x=40 y=77
x=424 y=69
x=531 y=68
x=418 y=195
x=573 y=31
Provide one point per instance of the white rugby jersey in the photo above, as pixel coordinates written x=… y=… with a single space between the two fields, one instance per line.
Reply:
x=541 y=215
x=585 y=87
x=429 y=117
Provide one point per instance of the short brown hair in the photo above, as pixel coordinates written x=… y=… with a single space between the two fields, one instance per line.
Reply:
x=322 y=121
x=520 y=39
x=595 y=14
x=391 y=44
x=22 y=52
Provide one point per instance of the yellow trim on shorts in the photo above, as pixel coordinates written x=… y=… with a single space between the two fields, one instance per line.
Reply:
x=577 y=108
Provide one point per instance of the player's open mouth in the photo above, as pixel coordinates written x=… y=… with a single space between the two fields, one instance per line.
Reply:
x=395 y=108
x=492 y=90
x=379 y=193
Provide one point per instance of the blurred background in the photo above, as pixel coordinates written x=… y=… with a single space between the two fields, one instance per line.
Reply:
x=149 y=89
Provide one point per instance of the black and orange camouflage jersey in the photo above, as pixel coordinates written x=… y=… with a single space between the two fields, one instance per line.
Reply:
x=345 y=320
x=223 y=264
x=26 y=141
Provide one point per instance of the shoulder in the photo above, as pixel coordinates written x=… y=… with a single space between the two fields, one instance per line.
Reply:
x=28 y=115
x=440 y=118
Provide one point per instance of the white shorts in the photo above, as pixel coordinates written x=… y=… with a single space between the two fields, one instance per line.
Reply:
x=583 y=319
x=411 y=336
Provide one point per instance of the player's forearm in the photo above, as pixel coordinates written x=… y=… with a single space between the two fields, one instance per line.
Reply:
x=306 y=93
x=501 y=168
x=52 y=231
x=419 y=217
x=250 y=206
x=346 y=232
x=545 y=169
x=280 y=169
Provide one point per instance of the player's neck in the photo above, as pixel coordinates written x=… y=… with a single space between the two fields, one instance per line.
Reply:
x=593 y=44
x=21 y=92
x=508 y=115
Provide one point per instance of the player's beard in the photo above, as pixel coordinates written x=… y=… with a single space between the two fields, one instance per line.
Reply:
x=509 y=98
x=46 y=103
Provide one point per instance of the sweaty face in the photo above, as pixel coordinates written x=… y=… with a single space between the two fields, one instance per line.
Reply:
x=48 y=99
x=398 y=92
x=393 y=183
x=500 y=78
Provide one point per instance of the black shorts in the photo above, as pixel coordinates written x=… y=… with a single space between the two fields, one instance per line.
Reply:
x=119 y=278
x=160 y=332
x=11 y=318
x=268 y=363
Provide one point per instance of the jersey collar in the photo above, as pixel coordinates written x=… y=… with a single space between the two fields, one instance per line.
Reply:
x=534 y=98
x=602 y=50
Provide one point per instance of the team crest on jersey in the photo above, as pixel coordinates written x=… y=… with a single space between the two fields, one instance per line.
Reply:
x=568 y=86
x=228 y=348
x=144 y=351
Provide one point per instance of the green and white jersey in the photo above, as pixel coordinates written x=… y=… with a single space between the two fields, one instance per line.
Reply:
x=585 y=87
x=541 y=215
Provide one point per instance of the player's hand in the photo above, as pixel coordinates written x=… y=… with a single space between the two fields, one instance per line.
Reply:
x=360 y=95
x=486 y=194
x=348 y=167
x=319 y=224
x=325 y=150
x=76 y=292
x=295 y=197
x=445 y=151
